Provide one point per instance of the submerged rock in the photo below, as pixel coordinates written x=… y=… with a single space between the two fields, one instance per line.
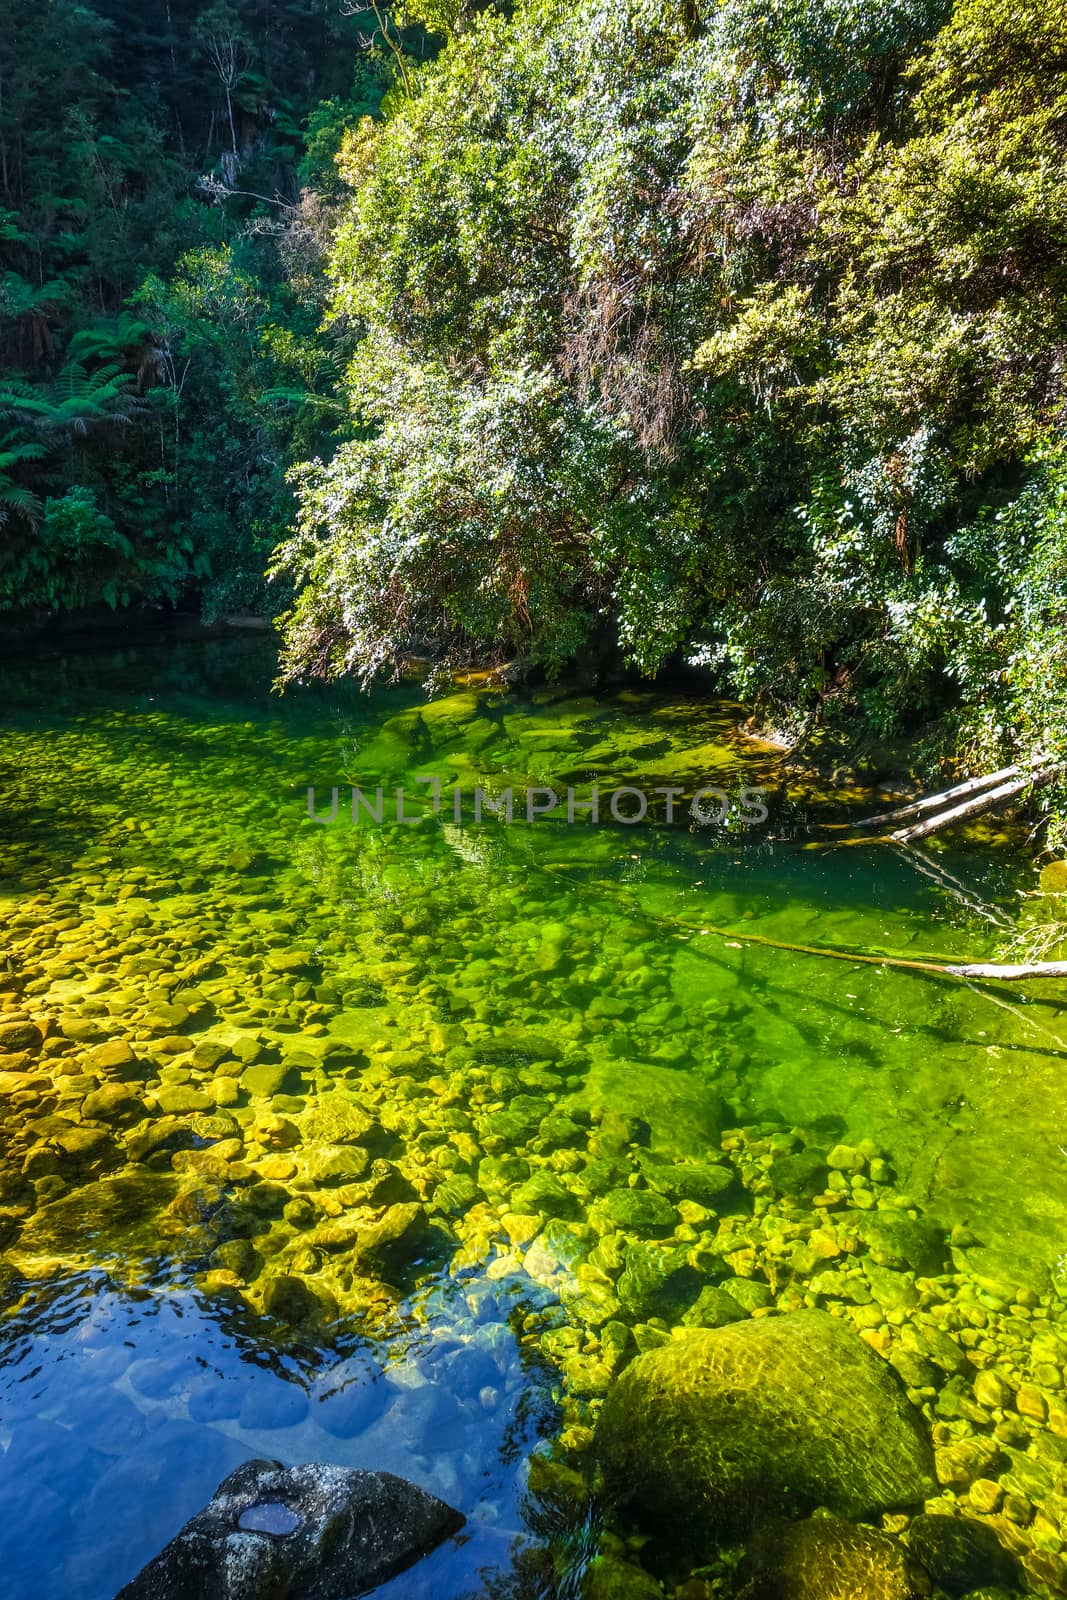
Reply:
x=107 y=1211
x=960 y=1553
x=395 y=1245
x=318 y=1532
x=685 y=1115
x=790 y=1412
x=825 y=1559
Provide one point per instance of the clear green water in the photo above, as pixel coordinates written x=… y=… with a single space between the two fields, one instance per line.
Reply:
x=533 y=1022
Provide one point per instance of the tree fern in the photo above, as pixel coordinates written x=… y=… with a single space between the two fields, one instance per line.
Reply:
x=75 y=401
x=14 y=497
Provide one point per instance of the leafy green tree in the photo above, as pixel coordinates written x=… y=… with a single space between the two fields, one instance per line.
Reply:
x=785 y=289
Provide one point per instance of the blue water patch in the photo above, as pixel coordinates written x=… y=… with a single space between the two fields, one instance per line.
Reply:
x=120 y=1413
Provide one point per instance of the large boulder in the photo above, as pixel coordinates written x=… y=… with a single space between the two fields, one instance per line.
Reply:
x=107 y=1216
x=775 y=1414
x=314 y=1532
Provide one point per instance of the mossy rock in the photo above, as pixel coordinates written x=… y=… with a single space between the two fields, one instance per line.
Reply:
x=780 y=1413
x=543 y=1195
x=289 y=1299
x=268 y=1078
x=705 y=1184
x=455 y=1195
x=713 y=1308
x=336 y=1163
x=1002 y=1273
x=751 y=1294
x=639 y=1211
x=102 y=1214
x=1053 y=878
x=824 y=1559
x=609 y=1578
x=685 y=1115
x=896 y=1240
x=658 y=1281
x=960 y=1553
x=335 y=1119
x=398 y=1243
x=18 y=1036
x=801 y=1175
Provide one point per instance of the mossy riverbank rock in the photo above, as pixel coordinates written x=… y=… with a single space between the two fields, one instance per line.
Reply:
x=779 y=1413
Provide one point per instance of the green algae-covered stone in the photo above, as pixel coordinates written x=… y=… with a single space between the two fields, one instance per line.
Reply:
x=101 y=1214
x=960 y=1553
x=639 y=1210
x=336 y=1119
x=657 y=1281
x=396 y=1243
x=112 y=1102
x=825 y=1559
x=180 y=1098
x=896 y=1240
x=782 y=1412
x=116 y=1060
x=685 y=1115
x=801 y=1175
x=337 y=1163
x=268 y=1078
x=704 y=1184
x=1053 y=878
x=713 y=1308
x=455 y=1195
x=609 y=1578
x=19 y=1036
x=289 y=1299
x=749 y=1293
x=543 y=1195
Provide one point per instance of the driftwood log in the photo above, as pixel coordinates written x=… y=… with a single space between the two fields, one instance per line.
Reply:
x=959 y=791
x=974 y=807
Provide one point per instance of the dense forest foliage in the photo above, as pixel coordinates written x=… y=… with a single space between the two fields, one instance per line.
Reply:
x=732 y=332
x=165 y=175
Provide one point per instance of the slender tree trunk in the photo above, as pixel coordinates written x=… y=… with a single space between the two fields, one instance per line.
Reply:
x=233 y=130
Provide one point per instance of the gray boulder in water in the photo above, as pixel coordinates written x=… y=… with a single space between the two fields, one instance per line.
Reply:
x=314 y=1532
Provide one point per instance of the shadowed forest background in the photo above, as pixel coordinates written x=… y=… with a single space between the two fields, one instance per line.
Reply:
x=617 y=331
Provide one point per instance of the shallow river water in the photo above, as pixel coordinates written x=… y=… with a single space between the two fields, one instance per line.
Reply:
x=367 y=1141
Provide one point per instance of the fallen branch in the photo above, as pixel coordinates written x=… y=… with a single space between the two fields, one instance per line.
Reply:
x=982 y=802
x=1000 y=969
x=945 y=969
x=959 y=791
